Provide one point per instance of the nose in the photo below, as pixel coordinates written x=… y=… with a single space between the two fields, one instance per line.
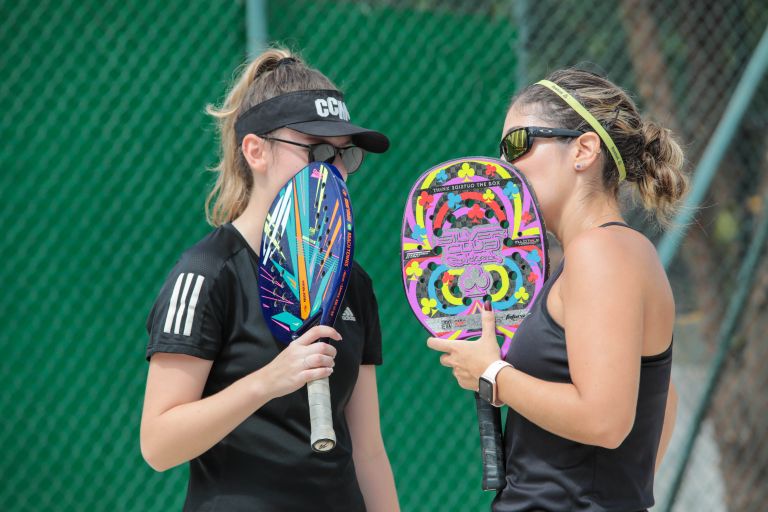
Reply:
x=339 y=163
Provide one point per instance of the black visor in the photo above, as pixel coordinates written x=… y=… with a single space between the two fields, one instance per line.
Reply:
x=321 y=113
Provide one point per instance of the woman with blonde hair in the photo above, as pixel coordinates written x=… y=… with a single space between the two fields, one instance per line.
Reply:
x=222 y=393
x=587 y=377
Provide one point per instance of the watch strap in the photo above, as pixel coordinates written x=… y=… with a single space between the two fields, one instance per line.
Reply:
x=493 y=369
x=490 y=374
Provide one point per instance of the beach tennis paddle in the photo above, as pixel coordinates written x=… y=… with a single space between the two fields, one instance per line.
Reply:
x=304 y=268
x=472 y=232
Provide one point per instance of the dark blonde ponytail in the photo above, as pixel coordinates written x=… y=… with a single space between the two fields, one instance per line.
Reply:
x=267 y=76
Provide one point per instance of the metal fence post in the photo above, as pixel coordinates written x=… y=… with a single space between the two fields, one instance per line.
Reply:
x=718 y=143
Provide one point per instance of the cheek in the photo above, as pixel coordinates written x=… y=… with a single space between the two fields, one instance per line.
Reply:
x=286 y=165
x=543 y=193
x=545 y=186
x=537 y=179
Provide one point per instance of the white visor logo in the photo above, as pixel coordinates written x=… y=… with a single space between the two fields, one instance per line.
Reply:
x=332 y=107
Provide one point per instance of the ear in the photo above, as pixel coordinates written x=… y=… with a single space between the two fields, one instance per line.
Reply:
x=587 y=150
x=254 y=150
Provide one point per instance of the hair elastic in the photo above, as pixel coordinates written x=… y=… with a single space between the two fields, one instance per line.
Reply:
x=285 y=61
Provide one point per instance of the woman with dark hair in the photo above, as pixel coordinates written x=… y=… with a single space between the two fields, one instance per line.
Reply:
x=587 y=377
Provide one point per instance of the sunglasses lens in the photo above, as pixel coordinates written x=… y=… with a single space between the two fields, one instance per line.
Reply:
x=515 y=144
x=352 y=158
x=324 y=153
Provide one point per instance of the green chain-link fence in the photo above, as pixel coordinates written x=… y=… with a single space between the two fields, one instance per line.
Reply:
x=103 y=151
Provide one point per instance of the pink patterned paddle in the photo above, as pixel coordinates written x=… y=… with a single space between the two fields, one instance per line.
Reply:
x=472 y=232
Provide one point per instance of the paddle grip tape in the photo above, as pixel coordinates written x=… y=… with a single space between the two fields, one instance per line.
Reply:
x=323 y=438
x=489 y=419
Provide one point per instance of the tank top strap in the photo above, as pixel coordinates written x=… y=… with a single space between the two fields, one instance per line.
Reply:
x=541 y=299
x=554 y=275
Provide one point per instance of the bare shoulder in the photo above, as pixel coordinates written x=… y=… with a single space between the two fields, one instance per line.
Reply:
x=607 y=270
x=616 y=253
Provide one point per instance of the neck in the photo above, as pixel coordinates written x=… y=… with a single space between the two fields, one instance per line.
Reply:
x=250 y=223
x=581 y=215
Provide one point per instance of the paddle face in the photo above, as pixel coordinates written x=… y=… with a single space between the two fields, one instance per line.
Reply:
x=306 y=252
x=472 y=232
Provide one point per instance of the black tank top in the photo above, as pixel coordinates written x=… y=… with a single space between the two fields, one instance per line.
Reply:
x=550 y=473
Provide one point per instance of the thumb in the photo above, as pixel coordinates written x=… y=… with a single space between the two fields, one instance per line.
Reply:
x=489 y=321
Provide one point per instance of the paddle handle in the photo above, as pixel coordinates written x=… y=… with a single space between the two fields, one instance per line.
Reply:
x=491 y=444
x=323 y=438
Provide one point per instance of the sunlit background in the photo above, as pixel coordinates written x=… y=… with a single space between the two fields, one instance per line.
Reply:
x=104 y=147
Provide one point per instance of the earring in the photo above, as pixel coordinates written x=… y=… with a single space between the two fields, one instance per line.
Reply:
x=578 y=167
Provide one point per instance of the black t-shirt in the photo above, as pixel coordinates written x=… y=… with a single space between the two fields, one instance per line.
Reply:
x=209 y=308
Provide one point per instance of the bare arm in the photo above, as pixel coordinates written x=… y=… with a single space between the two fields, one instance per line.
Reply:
x=374 y=473
x=670 y=413
x=177 y=425
x=603 y=319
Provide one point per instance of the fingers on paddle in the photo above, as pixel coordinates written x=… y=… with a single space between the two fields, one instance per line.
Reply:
x=317 y=373
x=439 y=344
x=319 y=361
x=317 y=332
x=322 y=348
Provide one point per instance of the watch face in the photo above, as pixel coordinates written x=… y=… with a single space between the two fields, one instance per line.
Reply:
x=485 y=390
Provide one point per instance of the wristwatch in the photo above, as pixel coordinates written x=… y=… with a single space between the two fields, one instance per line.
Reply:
x=487 y=388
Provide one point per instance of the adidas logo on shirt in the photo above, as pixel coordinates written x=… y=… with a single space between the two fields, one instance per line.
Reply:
x=348 y=315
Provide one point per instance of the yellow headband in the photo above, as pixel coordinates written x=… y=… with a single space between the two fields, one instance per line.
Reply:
x=583 y=112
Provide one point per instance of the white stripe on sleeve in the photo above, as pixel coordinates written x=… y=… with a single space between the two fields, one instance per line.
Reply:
x=192 y=306
x=173 y=304
x=182 y=303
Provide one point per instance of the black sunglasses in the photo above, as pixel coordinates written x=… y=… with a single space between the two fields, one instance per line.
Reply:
x=351 y=155
x=519 y=141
